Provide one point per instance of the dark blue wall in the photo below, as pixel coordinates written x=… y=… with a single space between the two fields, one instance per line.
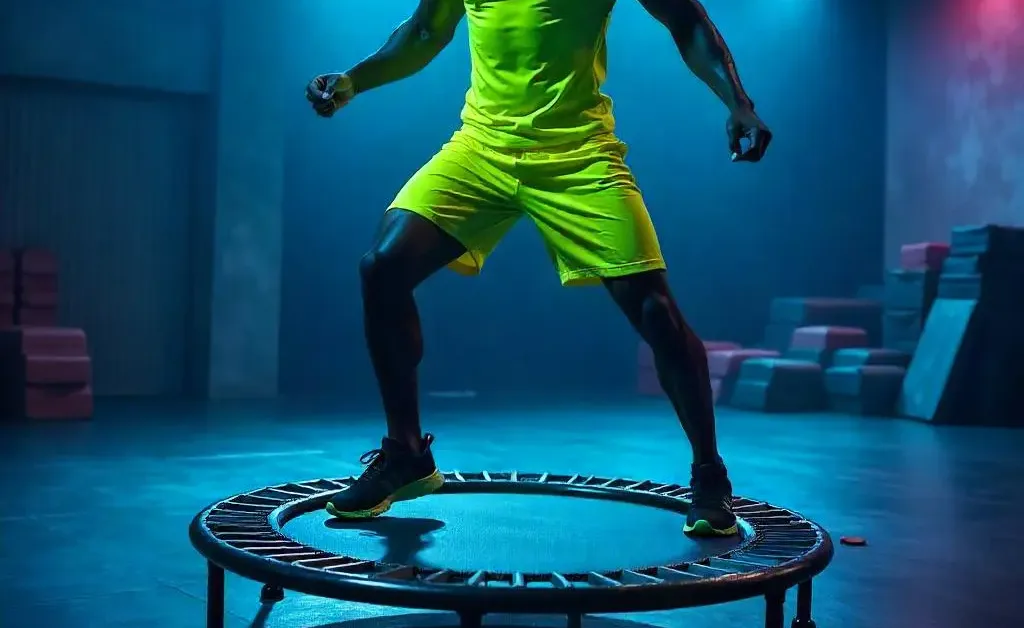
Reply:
x=149 y=44
x=105 y=130
x=806 y=221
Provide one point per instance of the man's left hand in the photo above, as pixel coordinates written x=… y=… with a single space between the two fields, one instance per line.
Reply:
x=749 y=137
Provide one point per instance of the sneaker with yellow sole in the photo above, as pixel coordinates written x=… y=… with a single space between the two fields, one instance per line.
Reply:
x=393 y=473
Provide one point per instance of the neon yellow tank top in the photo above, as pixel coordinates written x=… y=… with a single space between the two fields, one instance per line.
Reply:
x=538 y=68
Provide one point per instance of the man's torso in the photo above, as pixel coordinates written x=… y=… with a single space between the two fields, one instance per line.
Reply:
x=537 y=71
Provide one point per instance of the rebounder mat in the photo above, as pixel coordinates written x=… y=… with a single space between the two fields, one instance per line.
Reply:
x=511 y=533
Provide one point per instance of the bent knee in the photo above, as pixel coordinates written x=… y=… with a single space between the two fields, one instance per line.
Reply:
x=657 y=315
x=665 y=330
x=380 y=269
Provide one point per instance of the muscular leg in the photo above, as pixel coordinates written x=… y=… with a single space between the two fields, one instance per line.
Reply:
x=408 y=249
x=679 y=355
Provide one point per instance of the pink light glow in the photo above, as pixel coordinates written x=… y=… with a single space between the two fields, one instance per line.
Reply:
x=999 y=19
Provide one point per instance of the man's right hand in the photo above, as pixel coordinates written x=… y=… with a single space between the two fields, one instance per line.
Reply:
x=330 y=92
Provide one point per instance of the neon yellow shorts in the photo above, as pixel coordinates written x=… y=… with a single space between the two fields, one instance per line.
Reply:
x=583 y=199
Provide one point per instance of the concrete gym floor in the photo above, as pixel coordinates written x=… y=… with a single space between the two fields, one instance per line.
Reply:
x=93 y=516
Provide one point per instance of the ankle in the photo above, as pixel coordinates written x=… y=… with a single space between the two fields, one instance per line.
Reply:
x=410 y=442
x=416 y=445
x=712 y=462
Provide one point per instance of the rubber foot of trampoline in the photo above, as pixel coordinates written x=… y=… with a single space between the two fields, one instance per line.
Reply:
x=271 y=593
x=803 y=623
x=470 y=620
x=574 y=620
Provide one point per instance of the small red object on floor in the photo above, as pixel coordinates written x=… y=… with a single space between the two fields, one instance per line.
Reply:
x=855 y=541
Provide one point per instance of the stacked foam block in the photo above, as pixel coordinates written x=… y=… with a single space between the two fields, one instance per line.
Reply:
x=8 y=289
x=997 y=253
x=865 y=380
x=791 y=313
x=794 y=382
x=36 y=288
x=987 y=258
x=47 y=373
x=819 y=343
x=28 y=288
x=800 y=340
x=910 y=291
x=46 y=370
x=725 y=365
x=968 y=367
x=779 y=385
x=945 y=343
x=647 y=375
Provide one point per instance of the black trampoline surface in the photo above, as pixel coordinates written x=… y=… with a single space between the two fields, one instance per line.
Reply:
x=512 y=533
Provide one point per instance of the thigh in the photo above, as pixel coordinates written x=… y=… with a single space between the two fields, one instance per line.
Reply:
x=409 y=248
x=591 y=214
x=467 y=192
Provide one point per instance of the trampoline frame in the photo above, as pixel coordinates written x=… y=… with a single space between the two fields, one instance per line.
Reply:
x=243 y=534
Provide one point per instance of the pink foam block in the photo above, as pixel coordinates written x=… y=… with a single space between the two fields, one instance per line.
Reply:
x=923 y=255
x=46 y=369
x=6 y=316
x=52 y=341
x=645 y=357
x=39 y=284
x=723 y=364
x=828 y=337
x=716 y=388
x=720 y=345
x=647 y=382
x=6 y=261
x=58 y=402
x=37 y=316
x=38 y=262
x=42 y=300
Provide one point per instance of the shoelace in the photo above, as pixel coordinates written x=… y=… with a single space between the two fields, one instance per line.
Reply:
x=374 y=461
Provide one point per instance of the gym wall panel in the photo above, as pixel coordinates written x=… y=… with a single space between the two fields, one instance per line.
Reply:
x=154 y=44
x=106 y=179
x=955 y=118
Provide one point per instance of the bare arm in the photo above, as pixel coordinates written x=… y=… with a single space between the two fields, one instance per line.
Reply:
x=702 y=48
x=412 y=46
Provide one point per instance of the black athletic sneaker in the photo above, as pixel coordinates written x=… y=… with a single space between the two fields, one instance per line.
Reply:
x=711 y=506
x=393 y=473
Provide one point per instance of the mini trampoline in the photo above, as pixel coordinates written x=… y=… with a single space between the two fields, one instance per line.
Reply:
x=511 y=543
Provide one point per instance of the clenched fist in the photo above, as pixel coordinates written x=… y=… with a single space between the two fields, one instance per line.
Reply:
x=330 y=92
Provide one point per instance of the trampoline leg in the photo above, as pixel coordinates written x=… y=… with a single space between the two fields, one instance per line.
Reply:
x=803 y=607
x=574 y=620
x=214 y=596
x=470 y=620
x=271 y=593
x=775 y=610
